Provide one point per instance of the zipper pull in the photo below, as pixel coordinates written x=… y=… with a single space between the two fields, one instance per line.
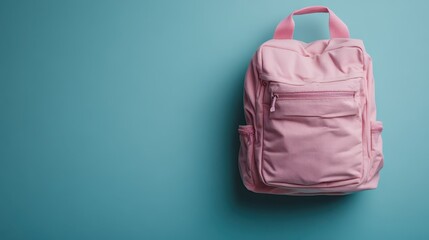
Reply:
x=273 y=102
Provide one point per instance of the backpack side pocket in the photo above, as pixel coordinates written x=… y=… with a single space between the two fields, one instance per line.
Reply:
x=246 y=154
x=376 y=148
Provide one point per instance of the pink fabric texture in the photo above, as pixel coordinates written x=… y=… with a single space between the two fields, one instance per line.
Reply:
x=310 y=112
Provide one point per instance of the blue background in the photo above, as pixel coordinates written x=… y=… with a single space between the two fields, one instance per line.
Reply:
x=118 y=121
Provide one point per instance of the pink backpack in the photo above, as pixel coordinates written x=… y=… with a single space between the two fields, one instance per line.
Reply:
x=310 y=113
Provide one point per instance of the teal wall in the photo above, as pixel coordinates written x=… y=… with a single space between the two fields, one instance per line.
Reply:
x=118 y=121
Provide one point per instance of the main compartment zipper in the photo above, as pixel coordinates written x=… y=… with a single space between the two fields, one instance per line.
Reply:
x=316 y=95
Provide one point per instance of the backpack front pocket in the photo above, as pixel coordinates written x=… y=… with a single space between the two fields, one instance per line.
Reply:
x=312 y=138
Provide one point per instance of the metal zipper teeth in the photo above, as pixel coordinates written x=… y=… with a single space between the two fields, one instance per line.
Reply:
x=308 y=95
x=318 y=94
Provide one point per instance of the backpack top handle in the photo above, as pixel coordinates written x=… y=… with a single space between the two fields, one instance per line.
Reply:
x=337 y=28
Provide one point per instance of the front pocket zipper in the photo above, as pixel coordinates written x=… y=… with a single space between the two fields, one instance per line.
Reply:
x=316 y=95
